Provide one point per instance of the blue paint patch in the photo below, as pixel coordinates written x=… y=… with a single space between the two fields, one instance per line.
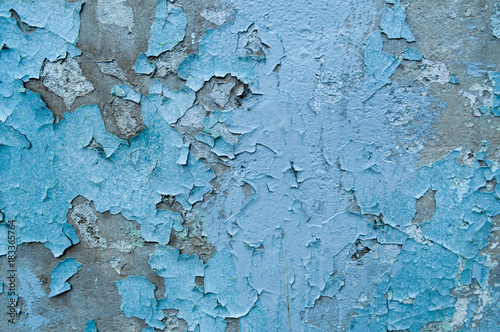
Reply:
x=495 y=21
x=412 y=54
x=60 y=275
x=91 y=326
x=454 y=79
x=393 y=23
x=183 y=157
x=167 y=30
x=126 y=92
x=143 y=66
x=379 y=66
x=138 y=300
x=474 y=70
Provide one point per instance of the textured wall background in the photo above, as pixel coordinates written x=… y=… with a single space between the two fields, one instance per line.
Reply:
x=250 y=165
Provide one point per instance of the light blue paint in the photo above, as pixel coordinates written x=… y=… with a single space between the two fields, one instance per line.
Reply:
x=66 y=141
x=60 y=275
x=143 y=66
x=474 y=70
x=204 y=307
x=126 y=92
x=204 y=138
x=454 y=79
x=393 y=23
x=91 y=326
x=493 y=105
x=167 y=30
x=183 y=157
x=118 y=91
x=174 y=103
x=495 y=21
x=304 y=151
x=412 y=54
x=30 y=290
x=10 y=137
x=138 y=300
x=379 y=66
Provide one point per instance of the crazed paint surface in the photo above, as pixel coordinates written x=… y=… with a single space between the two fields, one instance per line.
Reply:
x=322 y=197
x=59 y=277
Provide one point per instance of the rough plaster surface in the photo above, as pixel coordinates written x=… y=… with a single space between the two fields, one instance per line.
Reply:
x=250 y=166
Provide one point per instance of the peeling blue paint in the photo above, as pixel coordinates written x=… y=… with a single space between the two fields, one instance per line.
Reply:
x=60 y=275
x=138 y=300
x=493 y=105
x=143 y=66
x=167 y=30
x=57 y=24
x=208 y=140
x=412 y=54
x=91 y=326
x=495 y=21
x=393 y=22
x=454 y=79
x=305 y=187
x=138 y=161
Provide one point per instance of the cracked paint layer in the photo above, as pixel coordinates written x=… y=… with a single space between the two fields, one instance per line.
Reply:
x=140 y=161
x=60 y=275
x=277 y=173
x=138 y=300
x=91 y=326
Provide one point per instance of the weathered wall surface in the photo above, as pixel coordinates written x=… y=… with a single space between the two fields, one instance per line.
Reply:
x=250 y=165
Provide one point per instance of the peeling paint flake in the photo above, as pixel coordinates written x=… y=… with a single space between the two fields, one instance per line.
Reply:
x=91 y=326
x=127 y=93
x=138 y=300
x=60 y=275
x=379 y=66
x=168 y=28
x=393 y=23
